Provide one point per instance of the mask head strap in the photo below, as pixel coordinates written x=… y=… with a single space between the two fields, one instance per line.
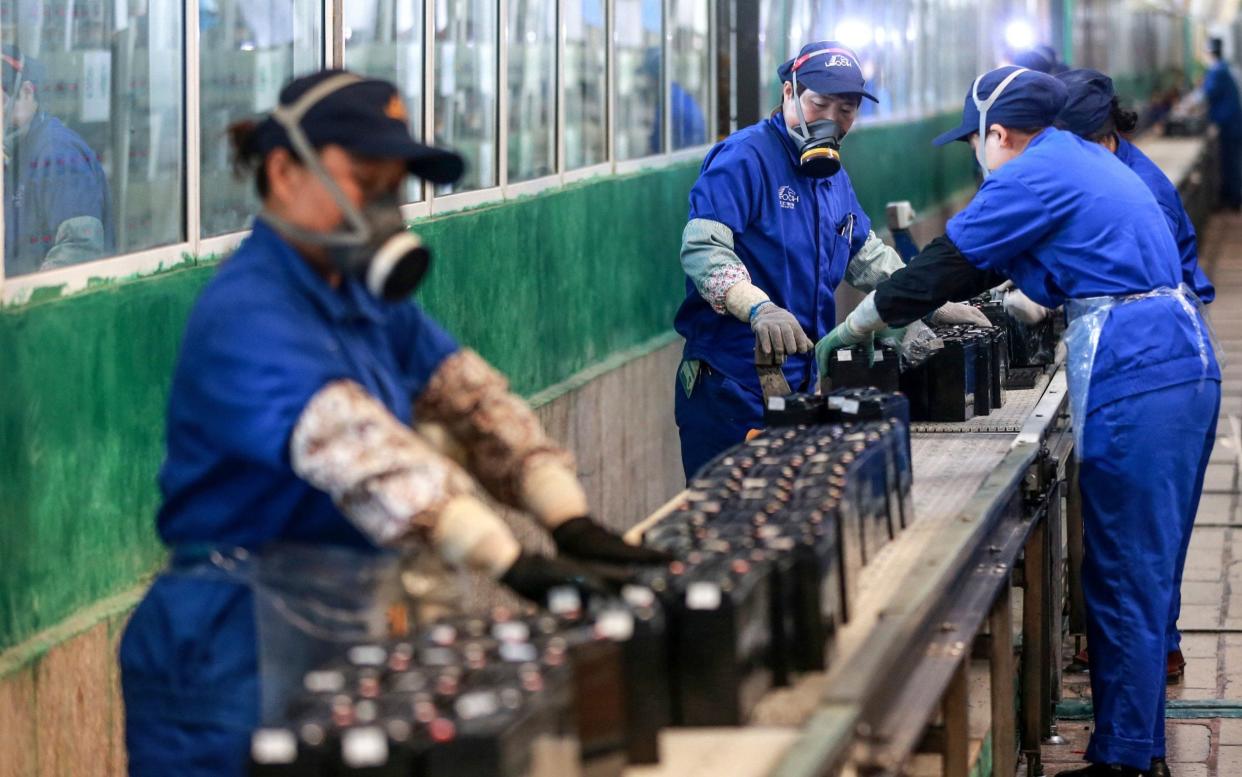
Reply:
x=982 y=106
x=290 y=118
x=18 y=63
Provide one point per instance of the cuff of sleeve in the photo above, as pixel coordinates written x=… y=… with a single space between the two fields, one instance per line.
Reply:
x=741 y=297
x=552 y=493
x=470 y=534
x=865 y=318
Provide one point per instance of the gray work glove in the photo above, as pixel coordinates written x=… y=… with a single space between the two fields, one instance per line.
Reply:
x=1024 y=308
x=777 y=332
x=958 y=313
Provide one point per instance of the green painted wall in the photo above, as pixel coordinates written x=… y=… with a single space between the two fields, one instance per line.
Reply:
x=543 y=287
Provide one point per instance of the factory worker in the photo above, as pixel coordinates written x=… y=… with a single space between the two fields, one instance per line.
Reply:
x=1069 y=223
x=774 y=227
x=1092 y=112
x=292 y=468
x=1225 y=111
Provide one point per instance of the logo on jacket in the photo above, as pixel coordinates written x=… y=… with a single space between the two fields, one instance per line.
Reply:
x=788 y=197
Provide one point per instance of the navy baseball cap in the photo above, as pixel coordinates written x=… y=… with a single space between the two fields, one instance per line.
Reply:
x=14 y=65
x=1031 y=100
x=367 y=118
x=1041 y=58
x=827 y=67
x=1090 y=101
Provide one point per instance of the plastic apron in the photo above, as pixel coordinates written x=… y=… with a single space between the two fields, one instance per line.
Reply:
x=1082 y=339
x=310 y=603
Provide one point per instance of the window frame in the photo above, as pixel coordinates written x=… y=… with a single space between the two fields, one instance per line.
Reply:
x=195 y=248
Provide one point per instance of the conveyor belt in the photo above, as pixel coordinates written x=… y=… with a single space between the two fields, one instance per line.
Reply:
x=1018 y=405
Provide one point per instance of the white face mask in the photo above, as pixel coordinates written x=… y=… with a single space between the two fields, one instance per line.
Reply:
x=981 y=153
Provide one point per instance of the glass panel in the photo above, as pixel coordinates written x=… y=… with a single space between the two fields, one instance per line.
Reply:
x=93 y=128
x=640 y=131
x=586 y=84
x=466 y=65
x=690 y=72
x=384 y=39
x=532 y=89
x=248 y=50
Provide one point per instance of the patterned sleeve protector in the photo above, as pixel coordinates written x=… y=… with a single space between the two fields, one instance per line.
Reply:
x=382 y=475
x=503 y=439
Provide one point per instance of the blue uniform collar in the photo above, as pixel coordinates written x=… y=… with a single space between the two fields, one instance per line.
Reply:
x=1125 y=150
x=777 y=122
x=350 y=301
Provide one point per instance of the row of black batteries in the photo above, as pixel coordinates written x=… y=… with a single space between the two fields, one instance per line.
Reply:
x=967 y=377
x=771 y=538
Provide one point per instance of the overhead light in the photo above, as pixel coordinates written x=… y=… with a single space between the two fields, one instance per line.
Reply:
x=1019 y=35
x=854 y=33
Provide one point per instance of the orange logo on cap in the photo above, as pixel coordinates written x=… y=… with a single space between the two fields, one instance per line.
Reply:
x=395 y=109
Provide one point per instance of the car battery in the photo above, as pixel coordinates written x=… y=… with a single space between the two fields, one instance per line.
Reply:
x=718 y=613
x=1000 y=362
x=494 y=733
x=984 y=368
x=850 y=405
x=795 y=410
x=855 y=368
x=950 y=380
x=641 y=629
x=865 y=493
x=298 y=750
x=1030 y=345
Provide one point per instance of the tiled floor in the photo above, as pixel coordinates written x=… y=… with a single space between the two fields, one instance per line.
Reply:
x=1212 y=588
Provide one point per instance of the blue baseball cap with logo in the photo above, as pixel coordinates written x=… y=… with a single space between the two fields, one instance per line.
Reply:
x=827 y=67
x=367 y=118
x=1031 y=100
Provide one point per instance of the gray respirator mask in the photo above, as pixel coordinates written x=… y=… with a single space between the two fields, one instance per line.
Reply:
x=372 y=244
x=819 y=143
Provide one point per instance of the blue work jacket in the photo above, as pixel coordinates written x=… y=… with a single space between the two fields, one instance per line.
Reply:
x=1175 y=214
x=1066 y=219
x=53 y=176
x=795 y=234
x=265 y=336
x=1224 y=105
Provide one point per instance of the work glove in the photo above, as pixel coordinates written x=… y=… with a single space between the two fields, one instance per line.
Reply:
x=777 y=332
x=958 y=313
x=858 y=328
x=584 y=539
x=842 y=337
x=533 y=576
x=914 y=342
x=1024 y=308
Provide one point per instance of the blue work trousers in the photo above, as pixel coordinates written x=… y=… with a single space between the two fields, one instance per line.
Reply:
x=716 y=415
x=1141 y=468
x=190 y=679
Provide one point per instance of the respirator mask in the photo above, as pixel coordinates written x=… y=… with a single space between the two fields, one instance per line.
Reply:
x=982 y=106
x=372 y=244
x=11 y=131
x=819 y=143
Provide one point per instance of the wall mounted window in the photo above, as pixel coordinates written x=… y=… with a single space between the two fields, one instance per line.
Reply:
x=386 y=39
x=532 y=89
x=639 y=75
x=690 y=72
x=586 y=83
x=466 y=92
x=248 y=50
x=93 y=146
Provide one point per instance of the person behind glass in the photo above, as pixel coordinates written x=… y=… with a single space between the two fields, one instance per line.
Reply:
x=1225 y=111
x=56 y=210
x=689 y=127
x=1069 y=223
x=774 y=227
x=303 y=367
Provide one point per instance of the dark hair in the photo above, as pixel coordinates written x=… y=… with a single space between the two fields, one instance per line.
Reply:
x=247 y=159
x=1119 y=121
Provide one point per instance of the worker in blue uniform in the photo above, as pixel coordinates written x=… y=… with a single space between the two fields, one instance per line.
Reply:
x=1225 y=111
x=293 y=469
x=774 y=227
x=1068 y=223
x=1093 y=112
x=56 y=209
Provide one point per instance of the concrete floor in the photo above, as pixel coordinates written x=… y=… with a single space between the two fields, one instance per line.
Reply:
x=1212 y=587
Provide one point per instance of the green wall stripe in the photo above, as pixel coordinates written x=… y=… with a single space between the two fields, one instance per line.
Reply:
x=545 y=287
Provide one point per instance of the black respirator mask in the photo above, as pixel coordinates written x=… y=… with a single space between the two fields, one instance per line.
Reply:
x=819 y=143
x=372 y=244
